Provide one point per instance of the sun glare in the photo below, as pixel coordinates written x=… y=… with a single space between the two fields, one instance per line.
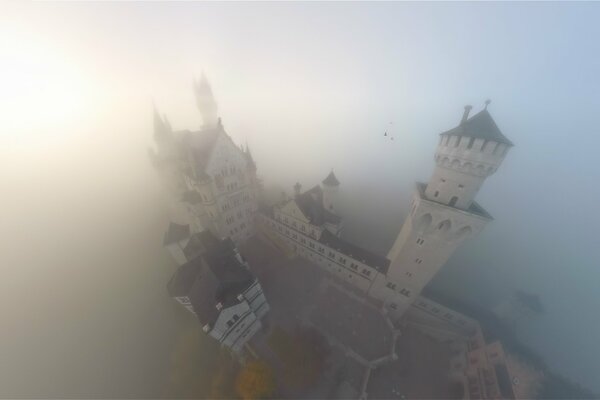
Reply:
x=41 y=86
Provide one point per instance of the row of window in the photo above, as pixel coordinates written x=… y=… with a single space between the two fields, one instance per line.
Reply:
x=236 y=202
x=403 y=291
x=342 y=260
x=294 y=225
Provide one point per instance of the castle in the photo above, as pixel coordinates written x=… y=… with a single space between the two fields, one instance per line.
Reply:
x=218 y=183
x=442 y=216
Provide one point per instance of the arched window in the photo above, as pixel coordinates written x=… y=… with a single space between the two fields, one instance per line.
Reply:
x=444 y=226
x=424 y=222
x=462 y=233
x=453 y=201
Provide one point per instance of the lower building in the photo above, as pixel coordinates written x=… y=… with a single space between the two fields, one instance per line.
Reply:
x=215 y=284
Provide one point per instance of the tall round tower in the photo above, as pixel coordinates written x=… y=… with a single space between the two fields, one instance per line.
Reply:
x=444 y=213
x=330 y=191
x=465 y=157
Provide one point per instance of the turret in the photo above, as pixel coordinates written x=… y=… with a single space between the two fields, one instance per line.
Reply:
x=465 y=157
x=330 y=192
x=206 y=102
x=162 y=127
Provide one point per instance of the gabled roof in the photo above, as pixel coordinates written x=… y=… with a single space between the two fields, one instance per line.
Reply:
x=373 y=260
x=311 y=205
x=331 y=180
x=482 y=126
x=199 y=244
x=175 y=233
x=214 y=276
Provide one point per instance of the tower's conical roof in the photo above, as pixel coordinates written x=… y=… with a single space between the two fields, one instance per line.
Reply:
x=331 y=180
x=482 y=126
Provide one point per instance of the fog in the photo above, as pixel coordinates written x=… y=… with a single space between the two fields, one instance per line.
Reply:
x=310 y=87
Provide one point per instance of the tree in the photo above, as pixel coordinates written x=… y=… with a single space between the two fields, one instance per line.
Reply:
x=255 y=381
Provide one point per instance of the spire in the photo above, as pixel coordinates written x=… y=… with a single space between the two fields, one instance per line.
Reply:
x=206 y=101
x=331 y=180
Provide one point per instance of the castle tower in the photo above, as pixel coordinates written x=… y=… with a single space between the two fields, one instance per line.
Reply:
x=206 y=102
x=444 y=212
x=330 y=192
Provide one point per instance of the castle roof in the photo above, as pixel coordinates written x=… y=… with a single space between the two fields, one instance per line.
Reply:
x=480 y=126
x=199 y=243
x=191 y=196
x=373 y=260
x=216 y=276
x=311 y=205
x=175 y=233
x=331 y=180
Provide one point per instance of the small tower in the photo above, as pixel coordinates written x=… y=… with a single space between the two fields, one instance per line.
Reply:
x=330 y=192
x=206 y=102
x=444 y=212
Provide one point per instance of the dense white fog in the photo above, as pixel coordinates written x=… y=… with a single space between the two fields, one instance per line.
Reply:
x=309 y=87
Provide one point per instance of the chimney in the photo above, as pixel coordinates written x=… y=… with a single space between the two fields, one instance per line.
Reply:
x=297 y=188
x=465 y=114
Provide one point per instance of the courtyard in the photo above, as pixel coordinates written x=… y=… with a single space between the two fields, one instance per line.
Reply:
x=301 y=294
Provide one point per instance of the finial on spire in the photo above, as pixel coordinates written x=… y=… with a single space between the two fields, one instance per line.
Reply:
x=487 y=103
x=466 y=114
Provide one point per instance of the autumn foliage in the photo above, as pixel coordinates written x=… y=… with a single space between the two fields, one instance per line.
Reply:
x=255 y=381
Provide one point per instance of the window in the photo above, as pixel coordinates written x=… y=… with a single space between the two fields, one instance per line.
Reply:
x=453 y=201
x=409 y=274
x=419 y=260
x=312 y=245
x=420 y=241
x=391 y=285
x=471 y=141
x=342 y=260
x=321 y=250
x=437 y=192
x=229 y=324
x=331 y=255
x=302 y=240
x=405 y=292
x=353 y=266
x=393 y=306
x=235 y=317
x=460 y=186
x=366 y=272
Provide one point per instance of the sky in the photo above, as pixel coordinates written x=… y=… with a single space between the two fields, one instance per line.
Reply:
x=311 y=87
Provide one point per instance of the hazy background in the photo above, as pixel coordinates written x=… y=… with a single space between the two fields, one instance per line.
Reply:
x=310 y=87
